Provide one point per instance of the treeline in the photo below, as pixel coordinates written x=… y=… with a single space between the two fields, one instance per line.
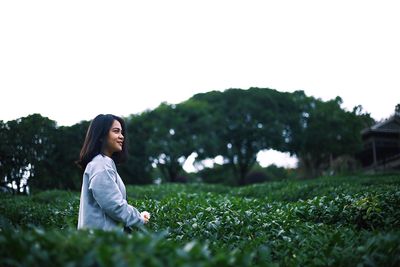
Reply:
x=235 y=124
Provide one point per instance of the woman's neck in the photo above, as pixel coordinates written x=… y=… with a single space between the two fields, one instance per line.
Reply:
x=107 y=153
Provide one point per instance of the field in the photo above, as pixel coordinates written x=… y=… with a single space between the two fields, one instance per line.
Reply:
x=330 y=221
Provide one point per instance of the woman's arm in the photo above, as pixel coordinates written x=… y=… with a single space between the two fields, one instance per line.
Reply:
x=107 y=194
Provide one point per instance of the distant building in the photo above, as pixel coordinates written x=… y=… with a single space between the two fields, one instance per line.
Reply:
x=381 y=144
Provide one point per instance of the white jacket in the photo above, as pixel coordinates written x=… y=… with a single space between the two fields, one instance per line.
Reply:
x=103 y=202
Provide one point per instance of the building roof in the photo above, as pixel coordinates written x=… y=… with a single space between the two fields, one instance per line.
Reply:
x=390 y=125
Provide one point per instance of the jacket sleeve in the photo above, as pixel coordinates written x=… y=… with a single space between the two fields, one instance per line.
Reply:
x=107 y=194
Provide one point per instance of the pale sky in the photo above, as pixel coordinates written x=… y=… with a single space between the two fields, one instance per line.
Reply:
x=71 y=60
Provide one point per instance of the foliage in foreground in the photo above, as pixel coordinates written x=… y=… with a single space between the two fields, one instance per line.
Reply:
x=325 y=222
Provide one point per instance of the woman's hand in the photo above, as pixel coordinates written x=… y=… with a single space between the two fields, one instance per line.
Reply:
x=145 y=216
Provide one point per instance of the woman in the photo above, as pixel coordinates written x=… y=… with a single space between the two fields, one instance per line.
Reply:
x=103 y=202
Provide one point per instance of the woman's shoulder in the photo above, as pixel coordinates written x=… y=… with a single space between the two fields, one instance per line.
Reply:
x=99 y=163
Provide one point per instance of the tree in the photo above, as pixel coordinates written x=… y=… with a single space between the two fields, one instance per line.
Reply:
x=28 y=143
x=325 y=132
x=137 y=169
x=244 y=122
x=174 y=135
x=5 y=152
x=60 y=170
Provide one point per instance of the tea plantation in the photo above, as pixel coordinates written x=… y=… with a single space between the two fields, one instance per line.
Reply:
x=330 y=221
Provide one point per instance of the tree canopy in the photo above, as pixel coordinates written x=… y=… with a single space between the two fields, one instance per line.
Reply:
x=235 y=124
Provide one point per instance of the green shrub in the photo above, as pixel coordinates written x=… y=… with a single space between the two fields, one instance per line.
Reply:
x=332 y=221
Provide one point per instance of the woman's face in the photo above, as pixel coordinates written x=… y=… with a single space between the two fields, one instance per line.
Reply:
x=115 y=139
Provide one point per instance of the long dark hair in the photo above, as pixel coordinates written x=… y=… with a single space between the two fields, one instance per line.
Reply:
x=97 y=133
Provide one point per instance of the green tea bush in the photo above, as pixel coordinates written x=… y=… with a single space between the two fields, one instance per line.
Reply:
x=341 y=221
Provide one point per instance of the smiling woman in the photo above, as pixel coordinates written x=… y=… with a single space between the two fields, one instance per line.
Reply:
x=103 y=203
x=115 y=139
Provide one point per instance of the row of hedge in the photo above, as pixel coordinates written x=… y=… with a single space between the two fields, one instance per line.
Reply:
x=325 y=222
